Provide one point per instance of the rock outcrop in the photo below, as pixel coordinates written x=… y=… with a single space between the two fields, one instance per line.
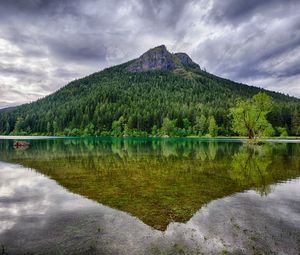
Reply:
x=185 y=60
x=159 y=58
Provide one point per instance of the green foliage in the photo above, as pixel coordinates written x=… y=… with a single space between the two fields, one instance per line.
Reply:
x=49 y=128
x=168 y=127
x=154 y=130
x=268 y=131
x=116 y=128
x=19 y=126
x=295 y=123
x=250 y=116
x=212 y=128
x=282 y=132
x=200 y=125
x=90 y=129
x=74 y=132
x=117 y=102
x=127 y=131
x=55 y=127
x=7 y=128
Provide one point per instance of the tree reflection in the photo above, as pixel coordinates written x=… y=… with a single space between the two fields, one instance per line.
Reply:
x=250 y=167
x=158 y=181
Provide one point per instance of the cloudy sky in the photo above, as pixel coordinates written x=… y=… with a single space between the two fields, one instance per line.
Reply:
x=44 y=44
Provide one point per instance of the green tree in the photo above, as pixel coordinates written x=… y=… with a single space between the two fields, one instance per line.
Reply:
x=200 y=126
x=154 y=130
x=118 y=126
x=55 y=127
x=49 y=128
x=250 y=116
x=89 y=129
x=295 y=125
x=127 y=131
x=19 y=126
x=187 y=126
x=74 y=132
x=212 y=127
x=268 y=131
x=282 y=131
x=7 y=128
x=67 y=131
x=168 y=126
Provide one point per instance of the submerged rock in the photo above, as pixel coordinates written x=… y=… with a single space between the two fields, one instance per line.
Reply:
x=21 y=144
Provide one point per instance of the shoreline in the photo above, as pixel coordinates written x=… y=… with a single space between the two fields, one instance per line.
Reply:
x=218 y=138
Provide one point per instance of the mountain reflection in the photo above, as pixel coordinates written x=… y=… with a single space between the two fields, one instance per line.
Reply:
x=158 y=181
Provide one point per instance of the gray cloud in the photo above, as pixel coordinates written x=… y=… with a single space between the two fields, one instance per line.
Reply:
x=255 y=42
x=236 y=11
x=45 y=44
x=166 y=13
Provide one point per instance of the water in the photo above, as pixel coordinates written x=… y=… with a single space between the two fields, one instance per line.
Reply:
x=149 y=196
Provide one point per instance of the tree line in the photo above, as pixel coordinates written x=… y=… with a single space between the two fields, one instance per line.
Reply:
x=119 y=103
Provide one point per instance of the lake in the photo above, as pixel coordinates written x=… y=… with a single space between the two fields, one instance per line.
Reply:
x=149 y=196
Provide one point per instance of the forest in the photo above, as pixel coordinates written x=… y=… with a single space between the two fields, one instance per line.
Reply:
x=116 y=102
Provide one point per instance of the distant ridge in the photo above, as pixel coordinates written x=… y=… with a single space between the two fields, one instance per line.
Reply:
x=7 y=109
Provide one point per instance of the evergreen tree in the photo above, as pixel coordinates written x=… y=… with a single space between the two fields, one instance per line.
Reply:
x=200 y=126
x=49 y=128
x=295 y=123
x=55 y=127
x=7 y=128
x=19 y=126
x=212 y=128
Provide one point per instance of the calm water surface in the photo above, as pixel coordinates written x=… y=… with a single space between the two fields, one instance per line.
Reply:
x=149 y=196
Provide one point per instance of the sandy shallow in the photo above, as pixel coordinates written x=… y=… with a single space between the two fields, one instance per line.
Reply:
x=38 y=216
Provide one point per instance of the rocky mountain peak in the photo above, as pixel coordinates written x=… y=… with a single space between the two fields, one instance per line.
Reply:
x=159 y=58
x=186 y=60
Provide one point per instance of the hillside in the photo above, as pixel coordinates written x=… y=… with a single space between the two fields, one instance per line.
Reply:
x=159 y=93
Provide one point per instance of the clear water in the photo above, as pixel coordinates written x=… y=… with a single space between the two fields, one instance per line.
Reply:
x=149 y=196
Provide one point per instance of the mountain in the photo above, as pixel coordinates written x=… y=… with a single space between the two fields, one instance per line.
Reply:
x=159 y=93
x=159 y=58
